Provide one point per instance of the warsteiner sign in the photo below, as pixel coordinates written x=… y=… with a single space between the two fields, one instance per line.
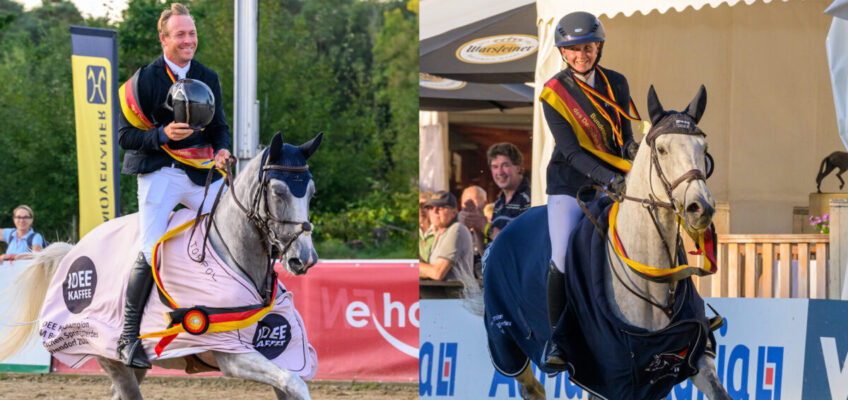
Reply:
x=497 y=49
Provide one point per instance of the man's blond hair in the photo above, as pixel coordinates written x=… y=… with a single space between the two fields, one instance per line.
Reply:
x=176 y=9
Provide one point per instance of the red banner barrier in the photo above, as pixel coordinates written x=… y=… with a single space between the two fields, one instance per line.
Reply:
x=361 y=316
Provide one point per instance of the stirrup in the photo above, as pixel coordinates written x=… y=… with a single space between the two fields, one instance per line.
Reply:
x=552 y=357
x=131 y=353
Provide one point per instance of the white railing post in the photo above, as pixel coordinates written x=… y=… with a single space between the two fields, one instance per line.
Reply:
x=838 y=247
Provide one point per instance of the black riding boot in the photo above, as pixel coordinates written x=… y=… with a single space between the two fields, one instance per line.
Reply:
x=130 y=350
x=553 y=355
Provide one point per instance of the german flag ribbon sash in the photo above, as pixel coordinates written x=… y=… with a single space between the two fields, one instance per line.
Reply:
x=198 y=320
x=199 y=157
x=706 y=249
x=593 y=94
x=594 y=133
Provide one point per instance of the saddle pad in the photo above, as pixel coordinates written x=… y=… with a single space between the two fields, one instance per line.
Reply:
x=608 y=356
x=83 y=313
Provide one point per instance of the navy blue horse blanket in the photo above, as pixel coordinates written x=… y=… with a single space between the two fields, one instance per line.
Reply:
x=605 y=355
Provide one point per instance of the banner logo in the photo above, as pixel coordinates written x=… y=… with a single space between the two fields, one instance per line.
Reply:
x=443 y=372
x=96 y=84
x=357 y=313
x=273 y=335
x=497 y=49
x=428 y=81
x=80 y=284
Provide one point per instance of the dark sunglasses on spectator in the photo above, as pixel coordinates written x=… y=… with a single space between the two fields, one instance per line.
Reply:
x=23 y=216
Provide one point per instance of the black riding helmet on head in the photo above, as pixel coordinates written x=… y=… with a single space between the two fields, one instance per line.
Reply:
x=192 y=102
x=580 y=27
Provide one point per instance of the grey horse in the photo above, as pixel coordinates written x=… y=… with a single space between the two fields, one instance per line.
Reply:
x=257 y=213
x=666 y=191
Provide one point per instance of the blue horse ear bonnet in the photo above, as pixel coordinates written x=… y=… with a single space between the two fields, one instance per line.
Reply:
x=290 y=156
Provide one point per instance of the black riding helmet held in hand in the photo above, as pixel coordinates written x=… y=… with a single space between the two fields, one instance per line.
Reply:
x=192 y=102
x=580 y=27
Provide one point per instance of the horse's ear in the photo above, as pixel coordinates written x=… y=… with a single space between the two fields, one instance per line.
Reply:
x=308 y=148
x=695 y=109
x=276 y=148
x=655 y=109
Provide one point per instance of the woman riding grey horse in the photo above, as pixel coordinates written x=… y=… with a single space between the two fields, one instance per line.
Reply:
x=584 y=107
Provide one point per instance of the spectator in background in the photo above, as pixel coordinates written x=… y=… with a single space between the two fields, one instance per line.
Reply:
x=425 y=230
x=505 y=163
x=452 y=244
x=489 y=211
x=473 y=201
x=21 y=239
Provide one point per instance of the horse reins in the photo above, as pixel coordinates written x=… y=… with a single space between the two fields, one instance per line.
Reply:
x=652 y=205
x=274 y=246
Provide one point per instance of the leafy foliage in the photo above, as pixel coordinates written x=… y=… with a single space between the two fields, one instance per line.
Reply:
x=345 y=67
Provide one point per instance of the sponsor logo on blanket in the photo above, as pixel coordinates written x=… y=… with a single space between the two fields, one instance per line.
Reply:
x=79 y=286
x=273 y=334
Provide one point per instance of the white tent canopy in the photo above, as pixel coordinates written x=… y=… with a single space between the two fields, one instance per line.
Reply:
x=770 y=117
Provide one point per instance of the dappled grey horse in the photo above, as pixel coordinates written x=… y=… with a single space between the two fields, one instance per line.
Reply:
x=634 y=325
x=264 y=214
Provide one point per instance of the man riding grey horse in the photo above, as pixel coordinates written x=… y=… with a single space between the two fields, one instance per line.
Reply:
x=171 y=158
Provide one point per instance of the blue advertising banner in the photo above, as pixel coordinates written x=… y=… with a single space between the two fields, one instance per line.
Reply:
x=768 y=349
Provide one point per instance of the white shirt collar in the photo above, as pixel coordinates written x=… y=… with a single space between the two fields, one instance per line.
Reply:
x=590 y=80
x=179 y=72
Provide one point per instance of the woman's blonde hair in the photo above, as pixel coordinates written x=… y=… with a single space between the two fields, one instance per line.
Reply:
x=25 y=208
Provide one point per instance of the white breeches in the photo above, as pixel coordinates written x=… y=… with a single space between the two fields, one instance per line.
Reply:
x=158 y=193
x=563 y=215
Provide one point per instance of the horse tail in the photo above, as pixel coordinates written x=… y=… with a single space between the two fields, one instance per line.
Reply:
x=823 y=166
x=25 y=298
x=472 y=293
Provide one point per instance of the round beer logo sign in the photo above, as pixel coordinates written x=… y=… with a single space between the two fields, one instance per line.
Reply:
x=497 y=49
x=79 y=286
x=438 y=83
x=273 y=334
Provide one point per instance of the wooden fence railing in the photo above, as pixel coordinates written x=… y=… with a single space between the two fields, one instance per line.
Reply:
x=784 y=266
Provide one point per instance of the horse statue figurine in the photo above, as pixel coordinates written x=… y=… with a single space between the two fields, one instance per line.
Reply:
x=230 y=282
x=634 y=325
x=837 y=159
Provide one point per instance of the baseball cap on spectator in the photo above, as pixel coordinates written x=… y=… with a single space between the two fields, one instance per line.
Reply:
x=442 y=198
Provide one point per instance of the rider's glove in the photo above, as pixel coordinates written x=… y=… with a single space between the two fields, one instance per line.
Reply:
x=617 y=185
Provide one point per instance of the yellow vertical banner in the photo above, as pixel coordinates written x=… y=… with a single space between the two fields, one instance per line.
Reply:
x=93 y=106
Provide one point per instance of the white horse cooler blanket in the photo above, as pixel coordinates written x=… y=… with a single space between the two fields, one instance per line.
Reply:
x=83 y=314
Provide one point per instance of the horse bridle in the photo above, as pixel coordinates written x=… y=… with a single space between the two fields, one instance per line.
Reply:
x=273 y=245
x=684 y=126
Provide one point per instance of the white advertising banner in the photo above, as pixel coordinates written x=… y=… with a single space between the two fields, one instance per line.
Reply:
x=33 y=357
x=767 y=349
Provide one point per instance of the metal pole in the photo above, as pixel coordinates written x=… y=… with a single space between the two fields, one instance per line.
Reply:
x=246 y=106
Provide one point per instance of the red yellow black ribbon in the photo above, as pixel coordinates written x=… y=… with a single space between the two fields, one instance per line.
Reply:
x=588 y=134
x=592 y=94
x=198 y=157
x=706 y=250
x=199 y=320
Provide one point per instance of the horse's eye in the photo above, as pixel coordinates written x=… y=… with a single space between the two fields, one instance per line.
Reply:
x=662 y=151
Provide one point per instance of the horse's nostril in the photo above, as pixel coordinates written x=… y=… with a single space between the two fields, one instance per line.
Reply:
x=693 y=208
x=295 y=264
